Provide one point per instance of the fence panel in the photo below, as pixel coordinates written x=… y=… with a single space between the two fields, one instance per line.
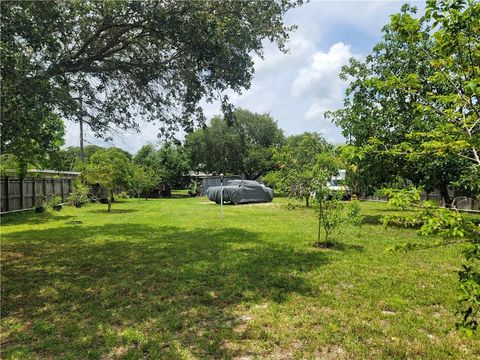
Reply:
x=22 y=194
x=461 y=202
x=14 y=194
x=28 y=193
x=3 y=194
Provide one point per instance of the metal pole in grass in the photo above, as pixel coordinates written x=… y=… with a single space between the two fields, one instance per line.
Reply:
x=221 y=195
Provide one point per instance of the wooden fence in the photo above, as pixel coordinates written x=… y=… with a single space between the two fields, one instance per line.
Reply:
x=460 y=202
x=18 y=193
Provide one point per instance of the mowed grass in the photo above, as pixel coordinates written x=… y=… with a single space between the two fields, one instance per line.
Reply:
x=168 y=278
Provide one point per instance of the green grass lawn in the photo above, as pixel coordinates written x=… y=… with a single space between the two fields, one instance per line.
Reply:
x=168 y=278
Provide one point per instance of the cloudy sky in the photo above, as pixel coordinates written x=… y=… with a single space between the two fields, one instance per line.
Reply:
x=296 y=88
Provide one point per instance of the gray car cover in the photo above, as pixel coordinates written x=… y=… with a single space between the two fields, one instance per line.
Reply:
x=241 y=191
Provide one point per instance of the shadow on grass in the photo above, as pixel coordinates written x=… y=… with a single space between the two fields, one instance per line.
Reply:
x=113 y=211
x=156 y=293
x=30 y=217
x=340 y=246
x=176 y=196
x=372 y=220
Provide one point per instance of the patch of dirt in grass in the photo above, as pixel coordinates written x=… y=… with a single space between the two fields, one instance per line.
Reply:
x=286 y=354
x=258 y=204
x=242 y=323
x=243 y=357
x=245 y=318
x=332 y=352
x=116 y=352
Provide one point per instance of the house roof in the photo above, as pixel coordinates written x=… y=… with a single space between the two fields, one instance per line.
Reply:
x=46 y=172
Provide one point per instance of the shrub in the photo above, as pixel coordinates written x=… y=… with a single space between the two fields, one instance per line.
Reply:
x=402 y=198
x=123 y=195
x=332 y=212
x=55 y=202
x=79 y=195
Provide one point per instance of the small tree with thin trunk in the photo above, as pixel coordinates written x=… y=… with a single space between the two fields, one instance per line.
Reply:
x=111 y=169
x=144 y=180
x=102 y=174
x=332 y=212
x=304 y=159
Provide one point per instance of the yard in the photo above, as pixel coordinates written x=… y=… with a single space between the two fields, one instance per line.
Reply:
x=169 y=279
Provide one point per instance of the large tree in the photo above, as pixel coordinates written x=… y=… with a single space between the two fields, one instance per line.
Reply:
x=378 y=111
x=440 y=93
x=244 y=146
x=454 y=58
x=303 y=162
x=169 y=164
x=114 y=63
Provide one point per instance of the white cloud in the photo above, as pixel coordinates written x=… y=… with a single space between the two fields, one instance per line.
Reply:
x=321 y=76
x=299 y=47
x=320 y=81
x=298 y=87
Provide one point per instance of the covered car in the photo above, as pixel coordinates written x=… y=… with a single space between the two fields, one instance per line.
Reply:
x=241 y=192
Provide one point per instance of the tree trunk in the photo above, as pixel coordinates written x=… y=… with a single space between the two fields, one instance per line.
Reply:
x=445 y=195
x=109 y=199
x=168 y=191
x=307 y=200
x=320 y=218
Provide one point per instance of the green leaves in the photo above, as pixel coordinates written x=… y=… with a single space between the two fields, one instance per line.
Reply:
x=166 y=165
x=128 y=61
x=246 y=146
x=110 y=168
x=402 y=198
x=305 y=164
x=332 y=213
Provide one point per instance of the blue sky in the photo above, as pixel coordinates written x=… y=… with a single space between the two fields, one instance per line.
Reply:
x=295 y=88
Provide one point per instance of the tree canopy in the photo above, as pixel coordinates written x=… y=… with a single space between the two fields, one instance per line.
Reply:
x=168 y=164
x=305 y=161
x=115 y=63
x=111 y=169
x=244 y=147
x=414 y=105
x=402 y=97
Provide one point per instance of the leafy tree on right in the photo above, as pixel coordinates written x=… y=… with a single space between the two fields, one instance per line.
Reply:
x=412 y=110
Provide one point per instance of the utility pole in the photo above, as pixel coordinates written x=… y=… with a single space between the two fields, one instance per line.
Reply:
x=221 y=195
x=82 y=156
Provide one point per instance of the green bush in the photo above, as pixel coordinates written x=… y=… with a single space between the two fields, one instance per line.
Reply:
x=54 y=202
x=402 y=198
x=79 y=195
x=332 y=213
x=123 y=195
